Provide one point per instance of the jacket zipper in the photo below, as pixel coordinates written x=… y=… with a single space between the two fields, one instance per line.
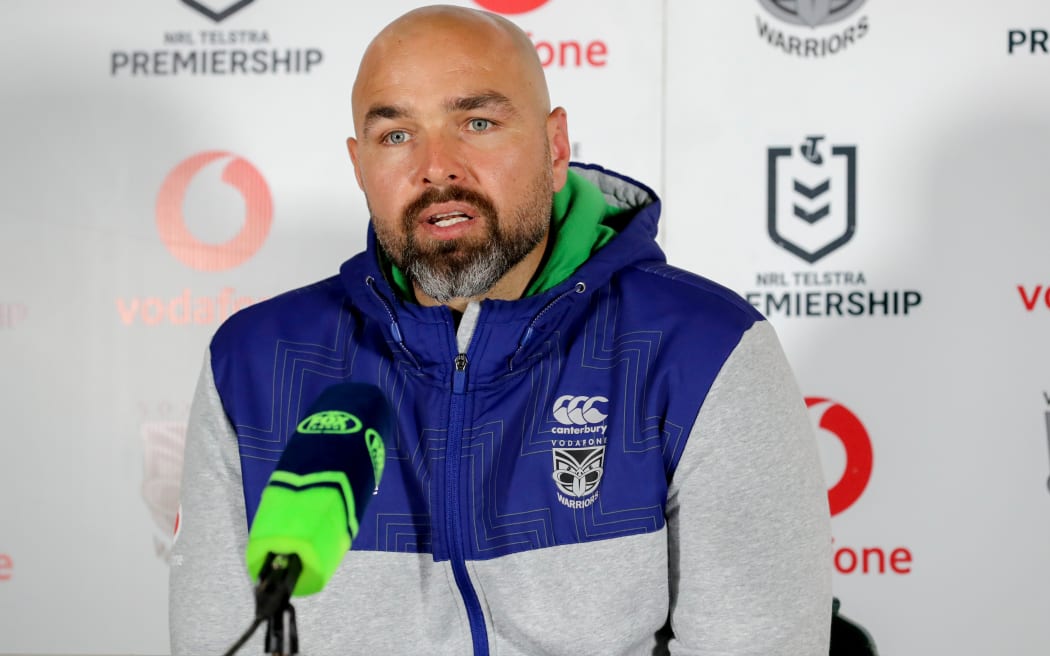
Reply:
x=453 y=539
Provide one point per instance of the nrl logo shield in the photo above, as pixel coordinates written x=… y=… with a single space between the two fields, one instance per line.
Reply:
x=813 y=13
x=577 y=472
x=812 y=197
x=217 y=10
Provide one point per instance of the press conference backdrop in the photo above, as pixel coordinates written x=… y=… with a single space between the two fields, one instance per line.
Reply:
x=868 y=174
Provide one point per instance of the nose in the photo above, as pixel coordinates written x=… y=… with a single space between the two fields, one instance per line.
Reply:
x=442 y=163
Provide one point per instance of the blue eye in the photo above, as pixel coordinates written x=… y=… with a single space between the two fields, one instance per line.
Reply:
x=480 y=124
x=396 y=137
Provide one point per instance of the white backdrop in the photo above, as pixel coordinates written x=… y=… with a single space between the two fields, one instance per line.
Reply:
x=917 y=322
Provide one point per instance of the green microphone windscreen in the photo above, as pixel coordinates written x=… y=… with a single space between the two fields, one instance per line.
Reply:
x=326 y=476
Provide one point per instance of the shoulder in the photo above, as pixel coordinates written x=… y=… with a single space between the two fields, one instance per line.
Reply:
x=290 y=315
x=689 y=297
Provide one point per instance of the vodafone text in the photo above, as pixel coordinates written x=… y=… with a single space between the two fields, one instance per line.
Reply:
x=571 y=54
x=1040 y=295
x=871 y=560
x=183 y=309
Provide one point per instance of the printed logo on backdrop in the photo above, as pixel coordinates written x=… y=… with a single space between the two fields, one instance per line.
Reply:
x=7 y=567
x=12 y=314
x=228 y=195
x=1035 y=297
x=579 y=450
x=176 y=235
x=834 y=420
x=811 y=28
x=1046 y=397
x=238 y=50
x=220 y=13
x=162 y=448
x=1027 y=42
x=837 y=420
x=801 y=197
x=511 y=6
x=812 y=192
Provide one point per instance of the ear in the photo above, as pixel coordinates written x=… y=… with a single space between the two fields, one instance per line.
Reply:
x=351 y=147
x=558 y=140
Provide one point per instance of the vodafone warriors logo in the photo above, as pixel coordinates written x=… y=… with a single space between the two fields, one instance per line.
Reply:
x=836 y=419
x=812 y=28
x=511 y=6
x=579 y=451
x=258 y=213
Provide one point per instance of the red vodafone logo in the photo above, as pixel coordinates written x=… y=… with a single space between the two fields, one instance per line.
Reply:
x=203 y=256
x=843 y=424
x=511 y=6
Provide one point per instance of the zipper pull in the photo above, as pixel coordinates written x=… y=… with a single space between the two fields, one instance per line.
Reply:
x=459 y=376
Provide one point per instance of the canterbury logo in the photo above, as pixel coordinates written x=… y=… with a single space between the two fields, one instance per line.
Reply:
x=579 y=410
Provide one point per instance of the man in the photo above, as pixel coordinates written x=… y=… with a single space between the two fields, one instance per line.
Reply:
x=596 y=453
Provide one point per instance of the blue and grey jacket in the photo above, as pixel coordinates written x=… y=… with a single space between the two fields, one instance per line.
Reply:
x=621 y=464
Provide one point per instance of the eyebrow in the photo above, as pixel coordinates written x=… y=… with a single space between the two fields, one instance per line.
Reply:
x=483 y=100
x=378 y=112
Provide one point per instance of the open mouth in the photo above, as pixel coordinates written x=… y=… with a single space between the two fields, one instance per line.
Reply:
x=446 y=219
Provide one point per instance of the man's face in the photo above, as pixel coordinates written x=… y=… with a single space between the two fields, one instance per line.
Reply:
x=454 y=157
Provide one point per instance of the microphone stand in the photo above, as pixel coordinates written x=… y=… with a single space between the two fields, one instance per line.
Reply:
x=272 y=602
x=275 y=626
x=272 y=605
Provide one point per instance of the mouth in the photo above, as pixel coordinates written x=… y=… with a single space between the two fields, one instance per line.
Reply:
x=447 y=215
x=447 y=219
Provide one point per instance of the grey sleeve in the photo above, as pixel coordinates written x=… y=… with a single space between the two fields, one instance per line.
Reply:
x=748 y=522
x=210 y=600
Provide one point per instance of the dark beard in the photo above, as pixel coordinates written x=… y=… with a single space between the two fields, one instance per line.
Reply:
x=445 y=270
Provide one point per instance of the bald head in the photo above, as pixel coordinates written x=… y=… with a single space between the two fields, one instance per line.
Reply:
x=444 y=38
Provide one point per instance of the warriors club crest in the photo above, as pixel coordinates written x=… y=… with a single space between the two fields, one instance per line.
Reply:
x=577 y=473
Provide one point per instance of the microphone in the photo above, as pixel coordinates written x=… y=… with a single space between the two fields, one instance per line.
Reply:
x=310 y=508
